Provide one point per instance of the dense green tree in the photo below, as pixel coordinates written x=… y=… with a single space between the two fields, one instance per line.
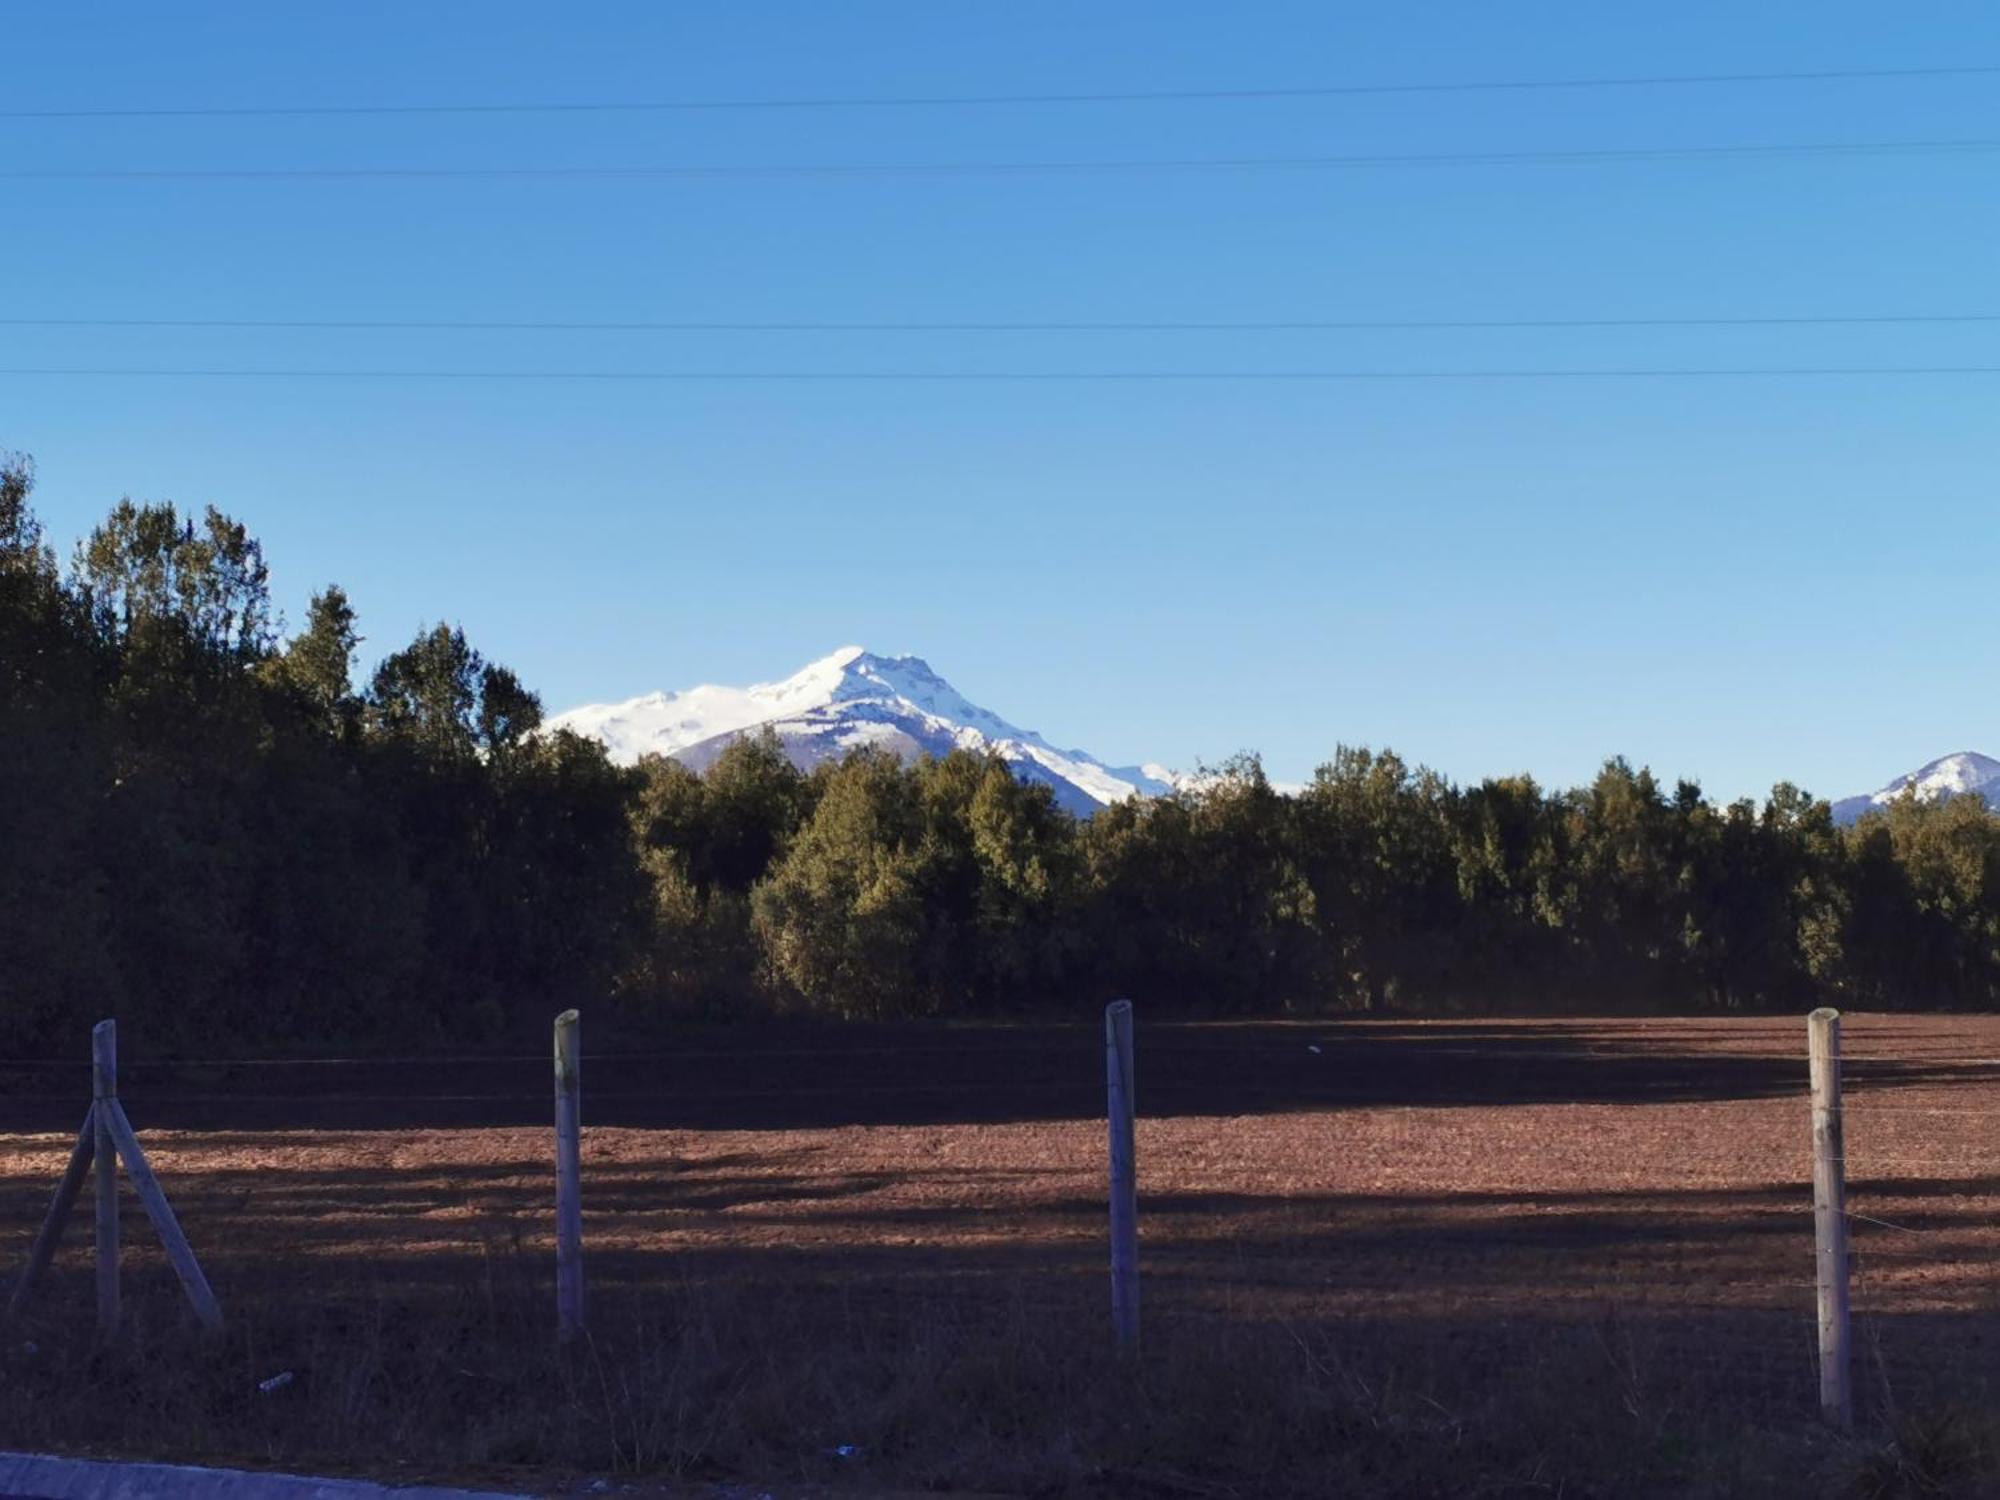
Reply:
x=206 y=834
x=704 y=840
x=1198 y=899
x=1510 y=851
x=147 y=567
x=918 y=890
x=1024 y=850
x=842 y=919
x=427 y=694
x=56 y=921
x=508 y=713
x=1925 y=928
x=317 y=665
x=1376 y=841
x=1764 y=902
x=732 y=822
x=204 y=828
x=1630 y=931
x=22 y=549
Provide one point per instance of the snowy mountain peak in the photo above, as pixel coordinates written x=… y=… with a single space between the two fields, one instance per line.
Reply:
x=1948 y=776
x=846 y=700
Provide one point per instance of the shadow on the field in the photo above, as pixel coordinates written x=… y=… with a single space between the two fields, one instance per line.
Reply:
x=776 y=1078
x=797 y=1214
x=941 y=1383
x=1715 y=1279
x=896 y=1076
x=1443 y=1308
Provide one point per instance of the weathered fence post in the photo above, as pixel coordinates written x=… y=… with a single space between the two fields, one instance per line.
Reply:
x=1119 y=1108
x=50 y=1235
x=569 y=1172
x=1836 y=1396
x=106 y=1137
x=104 y=1093
x=180 y=1254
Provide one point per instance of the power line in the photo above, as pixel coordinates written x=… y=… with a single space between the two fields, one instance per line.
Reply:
x=931 y=101
x=1000 y=376
x=1017 y=168
x=1277 y=325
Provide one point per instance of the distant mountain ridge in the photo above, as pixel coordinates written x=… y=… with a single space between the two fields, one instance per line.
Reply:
x=1966 y=772
x=842 y=702
x=854 y=697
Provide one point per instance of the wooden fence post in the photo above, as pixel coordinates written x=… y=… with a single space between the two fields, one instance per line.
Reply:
x=1119 y=1109
x=1836 y=1395
x=106 y=1137
x=104 y=1093
x=50 y=1235
x=180 y=1254
x=569 y=1173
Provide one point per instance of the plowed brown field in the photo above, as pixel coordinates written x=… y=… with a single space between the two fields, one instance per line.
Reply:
x=1454 y=1186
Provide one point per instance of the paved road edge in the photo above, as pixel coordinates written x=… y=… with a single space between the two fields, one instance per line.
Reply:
x=35 y=1476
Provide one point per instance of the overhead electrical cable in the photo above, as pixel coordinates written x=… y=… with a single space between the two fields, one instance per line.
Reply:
x=861 y=170
x=1003 y=376
x=1274 y=325
x=933 y=101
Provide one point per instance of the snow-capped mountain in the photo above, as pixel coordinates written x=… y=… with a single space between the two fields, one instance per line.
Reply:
x=1953 y=776
x=842 y=702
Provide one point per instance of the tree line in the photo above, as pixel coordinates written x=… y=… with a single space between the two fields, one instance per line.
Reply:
x=211 y=829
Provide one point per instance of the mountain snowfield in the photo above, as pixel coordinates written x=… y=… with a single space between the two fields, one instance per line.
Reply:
x=841 y=703
x=897 y=703
x=1950 y=776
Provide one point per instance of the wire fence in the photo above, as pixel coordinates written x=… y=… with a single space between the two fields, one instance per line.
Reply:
x=1646 y=1187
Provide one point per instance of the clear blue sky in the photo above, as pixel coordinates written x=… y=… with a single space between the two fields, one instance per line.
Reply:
x=1736 y=580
